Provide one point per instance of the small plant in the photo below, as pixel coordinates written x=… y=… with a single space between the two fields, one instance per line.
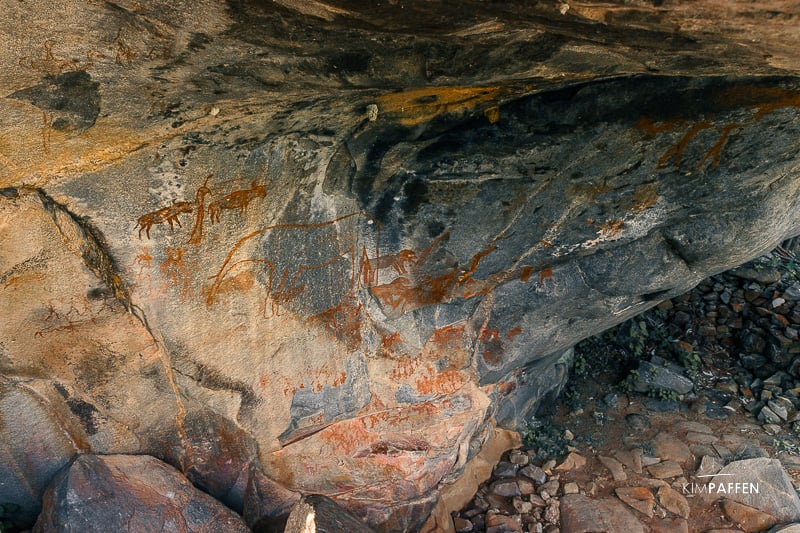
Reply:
x=6 y=510
x=628 y=385
x=639 y=335
x=547 y=439
x=783 y=444
x=663 y=394
x=580 y=364
x=691 y=361
x=571 y=397
x=787 y=259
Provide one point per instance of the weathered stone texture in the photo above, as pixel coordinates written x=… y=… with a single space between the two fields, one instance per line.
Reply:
x=130 y=493
x=314 y=247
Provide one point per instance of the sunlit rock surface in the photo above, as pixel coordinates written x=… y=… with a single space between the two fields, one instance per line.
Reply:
x=295 y=247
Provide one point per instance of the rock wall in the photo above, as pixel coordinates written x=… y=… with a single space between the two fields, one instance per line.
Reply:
x=300 y=247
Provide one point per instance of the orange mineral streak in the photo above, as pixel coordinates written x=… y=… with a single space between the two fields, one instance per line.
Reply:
x=610 y=228
x=416 y=106
x=492 y=114
x=101 y=146
x=643 y=197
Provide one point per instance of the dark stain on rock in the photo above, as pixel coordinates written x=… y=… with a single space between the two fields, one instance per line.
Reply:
x=215 y=380
x=61 y=390
x=99 y=293
x=416 y=194
x=340 y=172
x=198 y=41
x=95 y=372
x=72 y=96
x=353 y=61
x=435 y=228
x=85 y=411
x=92 y=244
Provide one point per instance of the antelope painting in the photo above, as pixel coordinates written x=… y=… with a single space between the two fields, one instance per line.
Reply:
x=236 y=200
x=167 y=214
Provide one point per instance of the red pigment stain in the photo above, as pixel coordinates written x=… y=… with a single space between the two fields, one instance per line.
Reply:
x=448 y=334
x=340 y=380
x=545 y=273
x=405 y=369
x=388 y=342
x=488 y=335
x=525 y=273
x=445 y=382
x=513 y=332
x=506 y=387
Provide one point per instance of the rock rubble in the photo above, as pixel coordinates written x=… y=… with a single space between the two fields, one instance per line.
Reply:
x=703 y=437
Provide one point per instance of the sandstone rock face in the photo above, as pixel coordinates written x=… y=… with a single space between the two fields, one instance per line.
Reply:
x=130 y=493
x=303 y=247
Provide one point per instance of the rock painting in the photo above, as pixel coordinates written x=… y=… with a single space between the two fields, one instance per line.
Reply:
x=176 y=272
x=167 y=214
x=761 y=100
x=236 y=200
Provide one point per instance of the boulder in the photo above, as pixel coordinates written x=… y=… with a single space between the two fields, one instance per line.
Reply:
x=581 y=514
x=319 y=513
x=130 y=493
x=759 y=483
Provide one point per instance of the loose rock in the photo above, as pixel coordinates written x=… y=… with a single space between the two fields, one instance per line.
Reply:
x=673 y=501
x=638 y=498
x=666 y=469
x=581 y=514
x=748 y=518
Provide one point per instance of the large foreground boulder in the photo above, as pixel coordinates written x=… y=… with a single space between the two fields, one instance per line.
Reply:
x=130 y=493
x=308 y=247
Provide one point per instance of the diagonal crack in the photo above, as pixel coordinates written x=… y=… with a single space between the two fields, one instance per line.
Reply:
x=84 y=239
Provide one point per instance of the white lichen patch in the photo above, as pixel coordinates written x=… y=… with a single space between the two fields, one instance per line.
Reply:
x=168 y=184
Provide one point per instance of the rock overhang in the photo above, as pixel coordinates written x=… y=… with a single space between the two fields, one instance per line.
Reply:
x=369 y=288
